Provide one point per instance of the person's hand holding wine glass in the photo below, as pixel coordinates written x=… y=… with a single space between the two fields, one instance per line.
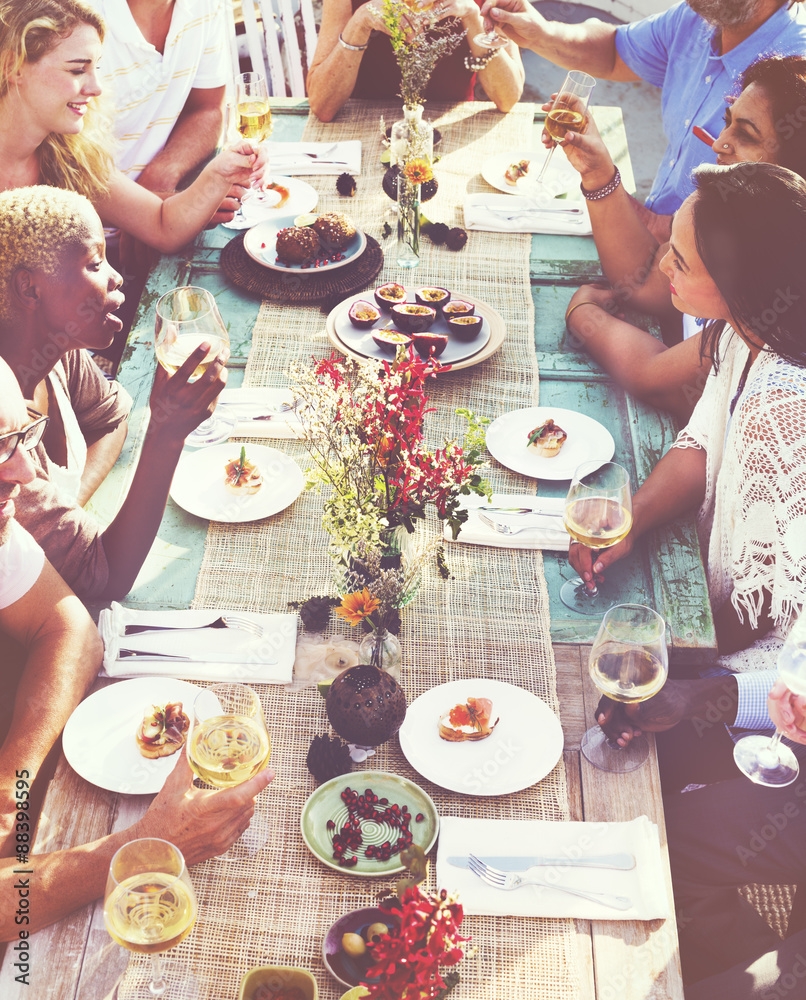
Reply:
x=253 y=116
x=567 y=113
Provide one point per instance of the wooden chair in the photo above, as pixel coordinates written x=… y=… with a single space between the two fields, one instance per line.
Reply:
x=276 y=46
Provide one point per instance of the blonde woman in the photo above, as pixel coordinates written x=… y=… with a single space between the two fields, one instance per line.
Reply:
x=52 y=132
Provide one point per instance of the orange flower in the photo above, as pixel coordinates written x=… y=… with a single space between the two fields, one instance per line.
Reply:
x=354 y=608
x=418 y=171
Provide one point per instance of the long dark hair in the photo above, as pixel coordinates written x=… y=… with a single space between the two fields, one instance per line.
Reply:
x=750 y=233
x=783 y=80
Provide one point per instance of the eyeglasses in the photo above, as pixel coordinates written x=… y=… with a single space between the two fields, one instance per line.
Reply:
x=29 y=436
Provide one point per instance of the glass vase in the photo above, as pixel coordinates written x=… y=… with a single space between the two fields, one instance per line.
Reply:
x=411 y=138
x=382 y=649
x=408 y=222
x=399 y=548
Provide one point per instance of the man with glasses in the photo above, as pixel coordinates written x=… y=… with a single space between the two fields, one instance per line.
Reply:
x=61 y=652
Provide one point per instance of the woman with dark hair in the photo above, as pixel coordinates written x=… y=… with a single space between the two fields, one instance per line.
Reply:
x=737 y=258
x=764 y=122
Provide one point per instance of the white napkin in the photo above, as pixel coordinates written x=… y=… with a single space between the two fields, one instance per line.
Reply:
x=542 y=536
x=237 y=405
x=225 y=654
x=644 y=884
x=334 y=158
x=489 y=212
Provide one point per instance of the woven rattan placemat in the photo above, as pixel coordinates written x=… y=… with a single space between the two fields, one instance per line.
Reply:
x=490 y=619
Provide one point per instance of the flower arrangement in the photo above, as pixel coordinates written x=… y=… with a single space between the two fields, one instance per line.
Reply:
x=419 y=41
x=364 y=433
x=407 y=961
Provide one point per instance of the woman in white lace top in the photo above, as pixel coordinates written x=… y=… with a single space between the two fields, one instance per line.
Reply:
x=738 y=257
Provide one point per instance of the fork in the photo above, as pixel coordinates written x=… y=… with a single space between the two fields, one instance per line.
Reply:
x=514 y=880
x=225 y=621
x=508 y=529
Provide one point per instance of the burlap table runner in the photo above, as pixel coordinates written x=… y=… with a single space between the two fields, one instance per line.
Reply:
x=490 y=619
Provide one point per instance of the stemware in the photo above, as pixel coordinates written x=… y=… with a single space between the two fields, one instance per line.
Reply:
x=254 y=116
x=766 y=760
x=490 y=38
x=567 y=113
x=185 y=317
x=598 y=513
x=228 y=744
x=149 y=903
x=629 y=663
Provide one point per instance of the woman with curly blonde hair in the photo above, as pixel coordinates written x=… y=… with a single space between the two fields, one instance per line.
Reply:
x=52 y=131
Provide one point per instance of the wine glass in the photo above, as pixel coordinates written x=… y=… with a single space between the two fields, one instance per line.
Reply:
x=149 y=903
x=628 y=663
x=567 y=113
x=228 y=743
x=766 y=760
x=185 y=317
x=253 y=117
x=490 y=39
x=598 y=513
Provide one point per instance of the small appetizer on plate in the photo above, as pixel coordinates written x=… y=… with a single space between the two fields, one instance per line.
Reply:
x=515 y=171
x=282 y=192
x=243 y=478
x=163 y=730
x=470 y=721
x=547 y=439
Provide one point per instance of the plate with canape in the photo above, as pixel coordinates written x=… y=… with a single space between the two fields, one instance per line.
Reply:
x=293 y=244
x=515 y=172
x=449 y=327
x=513 y=441
x=232 y=482
x=282 y=196
x=481 y=737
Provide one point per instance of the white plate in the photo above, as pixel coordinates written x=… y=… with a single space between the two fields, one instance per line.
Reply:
x=522 y=749
x=361 y=341
x=588 y=440
x=198 y=484
x=301 y=198
x=560 y=178
x=100 y=743
x=260 y=243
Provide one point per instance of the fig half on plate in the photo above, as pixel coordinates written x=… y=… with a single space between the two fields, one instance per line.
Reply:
x=458 y=307
x=430 y=345
x=464 y=327
x=412 y=318
x=389 y=294
x=433 y=296
x=390 y=340
x=363 y=314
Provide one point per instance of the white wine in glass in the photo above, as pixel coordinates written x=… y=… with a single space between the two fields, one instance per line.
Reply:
x=568 y=112
x=149 y=903
x=228 y=742
x=598 y=513
x=629 y=663
x=254 y=114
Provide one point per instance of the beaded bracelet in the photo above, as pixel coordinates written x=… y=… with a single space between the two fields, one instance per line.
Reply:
x=477 y=63
x=602 y=192
x=352 y=48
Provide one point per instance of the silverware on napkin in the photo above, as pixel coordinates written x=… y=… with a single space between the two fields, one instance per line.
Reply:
x=515 y=880
x=127 y=654
x=554 y=524
x=520 y=510
x=622 y=862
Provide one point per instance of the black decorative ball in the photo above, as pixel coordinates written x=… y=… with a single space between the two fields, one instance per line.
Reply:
x=389 y=183
x=365 y=705
x=328 y=758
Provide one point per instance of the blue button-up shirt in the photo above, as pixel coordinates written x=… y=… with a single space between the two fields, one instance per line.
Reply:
x=677 y=50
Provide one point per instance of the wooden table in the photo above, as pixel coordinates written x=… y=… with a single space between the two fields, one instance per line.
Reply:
x=631 y=960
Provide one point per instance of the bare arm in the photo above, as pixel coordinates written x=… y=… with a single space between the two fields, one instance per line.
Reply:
x=590 y=46
x=193 y=138
x=200 y=823
x=503 y=77
x=177 y=407
x=64 y=652
x=671 y=379
x=102 y=453
x=168 y=225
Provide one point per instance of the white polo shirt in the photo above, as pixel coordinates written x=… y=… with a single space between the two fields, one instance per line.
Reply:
x=21 y=562
x=149 y=88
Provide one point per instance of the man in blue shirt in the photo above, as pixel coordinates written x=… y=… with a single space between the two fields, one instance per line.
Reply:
x=694 y=51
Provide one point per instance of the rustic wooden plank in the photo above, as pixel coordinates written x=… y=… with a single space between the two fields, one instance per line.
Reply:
x=584 y=941
x=570 y=663
x=633 y=960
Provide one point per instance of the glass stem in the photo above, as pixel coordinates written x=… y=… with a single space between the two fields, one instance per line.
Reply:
x=158 y=985
x=546 y=162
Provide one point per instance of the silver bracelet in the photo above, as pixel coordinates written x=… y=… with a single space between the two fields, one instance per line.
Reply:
x=602 y=192
x=352 y=48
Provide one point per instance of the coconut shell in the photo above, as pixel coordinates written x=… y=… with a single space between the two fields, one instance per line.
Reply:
x=366 y=706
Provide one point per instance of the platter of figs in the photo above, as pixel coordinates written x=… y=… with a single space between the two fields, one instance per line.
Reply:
x=481 y=737
x=232 y=483
x=305 y=244
x=359 y=822
x=585 y=439
x=439 y=324
x=515 y=172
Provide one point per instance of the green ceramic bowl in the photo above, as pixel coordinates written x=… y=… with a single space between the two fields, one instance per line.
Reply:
x=326 y=804
x=278 y=977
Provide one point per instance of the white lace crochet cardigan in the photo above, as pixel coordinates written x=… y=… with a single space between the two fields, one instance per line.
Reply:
x=752 y=523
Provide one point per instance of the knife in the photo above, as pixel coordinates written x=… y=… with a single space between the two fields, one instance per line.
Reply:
x=125 y=654
x=624 y=862
x=520 y=510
